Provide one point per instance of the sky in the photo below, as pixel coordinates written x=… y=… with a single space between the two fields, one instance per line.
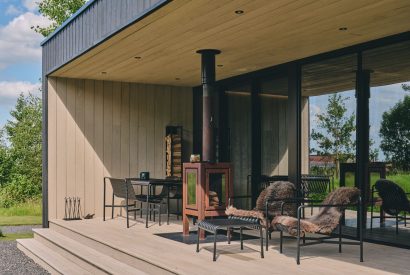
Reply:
x=20 y=52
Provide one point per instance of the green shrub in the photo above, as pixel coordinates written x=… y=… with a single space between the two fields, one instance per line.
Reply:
x=19 y=190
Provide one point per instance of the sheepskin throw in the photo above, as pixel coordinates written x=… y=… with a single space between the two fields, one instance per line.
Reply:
x=276 y=190
x=323 y=222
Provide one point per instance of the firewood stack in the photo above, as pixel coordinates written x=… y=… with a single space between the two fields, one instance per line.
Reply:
x=173 y=144
x=213 y=198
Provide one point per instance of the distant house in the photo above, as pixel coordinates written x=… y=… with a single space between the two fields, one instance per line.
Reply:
x=321 y=161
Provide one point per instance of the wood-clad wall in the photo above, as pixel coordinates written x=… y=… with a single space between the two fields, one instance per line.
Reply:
x=104 y=128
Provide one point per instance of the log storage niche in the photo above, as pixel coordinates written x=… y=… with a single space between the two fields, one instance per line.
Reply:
x=173 y=145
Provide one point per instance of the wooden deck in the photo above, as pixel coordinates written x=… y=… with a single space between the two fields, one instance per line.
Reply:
x=171 y=256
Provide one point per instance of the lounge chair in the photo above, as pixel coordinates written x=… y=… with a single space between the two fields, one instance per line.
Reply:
x=393 y=201
x=268 y=205
x=330 y=214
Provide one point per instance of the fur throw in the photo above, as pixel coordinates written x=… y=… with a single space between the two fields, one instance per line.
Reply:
x=323 y=222
x=277 y=190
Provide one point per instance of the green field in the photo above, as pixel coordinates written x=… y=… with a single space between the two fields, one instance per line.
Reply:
x=22 y=214
x=402 y=180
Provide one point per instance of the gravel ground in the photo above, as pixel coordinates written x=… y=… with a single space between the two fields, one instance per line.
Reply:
x=14 y=262
x=18 y=229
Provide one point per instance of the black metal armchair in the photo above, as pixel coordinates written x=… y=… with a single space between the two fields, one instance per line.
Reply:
x=121 y=189
x=393 y=201
x=331 y=213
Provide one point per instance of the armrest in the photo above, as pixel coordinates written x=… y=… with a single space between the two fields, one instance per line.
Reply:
x=294 y=200
x=328 y=205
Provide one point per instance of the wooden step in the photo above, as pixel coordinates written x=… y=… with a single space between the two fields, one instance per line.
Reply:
x=82 y=255
x=48 y=259
x=114 y=252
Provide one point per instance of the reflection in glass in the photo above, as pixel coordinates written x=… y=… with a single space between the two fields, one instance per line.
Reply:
x=191 y=187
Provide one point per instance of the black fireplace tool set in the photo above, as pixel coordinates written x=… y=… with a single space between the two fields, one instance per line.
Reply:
x=72 y=210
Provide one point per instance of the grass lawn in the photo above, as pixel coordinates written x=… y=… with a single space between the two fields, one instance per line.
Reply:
x=12 y=237
x=20 y=220
x=402 y=180
x=22 y=214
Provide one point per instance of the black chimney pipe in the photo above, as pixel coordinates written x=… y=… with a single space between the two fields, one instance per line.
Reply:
x=208 y=94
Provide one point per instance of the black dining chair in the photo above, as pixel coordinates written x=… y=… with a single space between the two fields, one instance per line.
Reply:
x=121 y=189
x=154 y=203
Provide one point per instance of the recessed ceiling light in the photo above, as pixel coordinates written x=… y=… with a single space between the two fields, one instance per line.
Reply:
x=219 y=65
x=137 y=57
x=343 y=29
x=177 y=78
x=103 y=72
x=239 y=11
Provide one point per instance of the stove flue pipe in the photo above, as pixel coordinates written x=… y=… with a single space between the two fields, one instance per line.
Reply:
x=208 y=95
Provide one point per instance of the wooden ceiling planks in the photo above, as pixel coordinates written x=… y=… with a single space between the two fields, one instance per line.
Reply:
x=268 y=33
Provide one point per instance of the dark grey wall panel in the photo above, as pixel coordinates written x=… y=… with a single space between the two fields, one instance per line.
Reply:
x=92 y=24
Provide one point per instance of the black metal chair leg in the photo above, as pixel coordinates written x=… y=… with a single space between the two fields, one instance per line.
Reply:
x=112 y=208
x=371 y=214
x=267 y=241
x=128 y=213
x=281 y=242
x=340 y=238
x=197 y=240
x=397 y=224
x=261 y=237
x=215 y=234
x=241 y=237
x=150 y=212
x=146 y=217
x=228 y=234
x=153 y=210
x=168 y=214
x=104 y=202
x=135 y=212
x=141 y=210
x=298 y=240
x=159 y=215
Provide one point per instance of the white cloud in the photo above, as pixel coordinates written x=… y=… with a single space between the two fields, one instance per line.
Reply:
x=12 y=10
x=18 y=42
x=31 y=5
x=10 y=91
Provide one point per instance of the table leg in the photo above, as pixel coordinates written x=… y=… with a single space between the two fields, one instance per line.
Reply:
x=168 y=204
x=147 y=207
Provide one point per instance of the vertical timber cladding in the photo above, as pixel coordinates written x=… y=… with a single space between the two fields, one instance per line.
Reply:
x=104 y=128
